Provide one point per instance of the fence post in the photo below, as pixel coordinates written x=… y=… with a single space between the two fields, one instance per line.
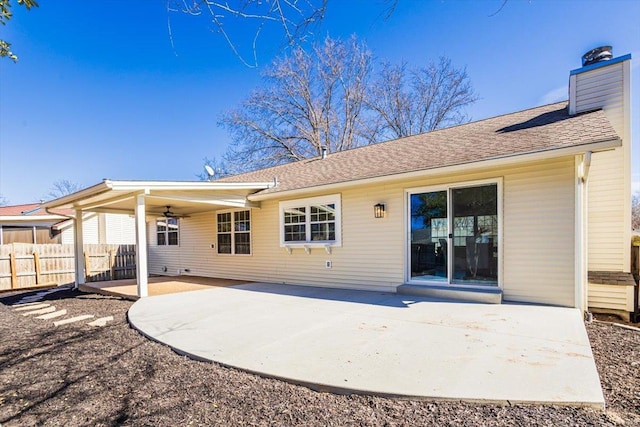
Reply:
x=112 y=263
x=87 y=266
x=12 y=267
x=36 y=263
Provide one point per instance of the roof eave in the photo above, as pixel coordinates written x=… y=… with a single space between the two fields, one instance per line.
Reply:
x=72 y=201
x=594 y=146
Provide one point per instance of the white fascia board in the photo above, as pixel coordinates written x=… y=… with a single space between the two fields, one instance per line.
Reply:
x=508 y=160
x=187 y=185
x=73 y=201
x=69 y=200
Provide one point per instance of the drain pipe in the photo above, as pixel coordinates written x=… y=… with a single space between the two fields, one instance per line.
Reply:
x=583 y=263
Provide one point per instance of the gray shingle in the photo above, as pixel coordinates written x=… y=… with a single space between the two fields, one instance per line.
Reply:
x=538 y=129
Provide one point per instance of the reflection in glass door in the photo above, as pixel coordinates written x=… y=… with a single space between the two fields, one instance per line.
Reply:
x=429 y=231
x=475 y=235
x=454 y=235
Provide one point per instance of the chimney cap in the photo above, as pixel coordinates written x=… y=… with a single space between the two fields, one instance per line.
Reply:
x=602 y=53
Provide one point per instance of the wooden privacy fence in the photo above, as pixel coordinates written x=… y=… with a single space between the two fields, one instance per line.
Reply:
x=24 y=265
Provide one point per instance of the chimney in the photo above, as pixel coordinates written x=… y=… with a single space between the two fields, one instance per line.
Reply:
x=602 y=82
x=323 y=150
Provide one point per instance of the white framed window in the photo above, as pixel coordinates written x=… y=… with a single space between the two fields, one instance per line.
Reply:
x=167 y=231
x=312 y=221
x=234 y=232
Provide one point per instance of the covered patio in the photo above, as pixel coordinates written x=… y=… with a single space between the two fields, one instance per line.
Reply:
x=159 y=285
x=145 y=200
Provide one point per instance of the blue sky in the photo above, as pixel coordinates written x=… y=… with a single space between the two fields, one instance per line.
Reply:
x=100 y=92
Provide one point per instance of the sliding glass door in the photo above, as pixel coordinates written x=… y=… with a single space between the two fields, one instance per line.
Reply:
x=454 y=235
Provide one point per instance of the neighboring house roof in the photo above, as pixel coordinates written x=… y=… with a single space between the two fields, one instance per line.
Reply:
x=542 y=129
x=31 y=209
x=31 y=214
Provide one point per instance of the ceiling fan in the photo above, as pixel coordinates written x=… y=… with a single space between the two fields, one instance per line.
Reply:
x=168 y=214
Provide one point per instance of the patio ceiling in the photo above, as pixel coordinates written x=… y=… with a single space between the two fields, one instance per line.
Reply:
x=184 y=197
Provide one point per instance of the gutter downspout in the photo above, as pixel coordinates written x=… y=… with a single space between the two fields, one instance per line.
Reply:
x=582 y=252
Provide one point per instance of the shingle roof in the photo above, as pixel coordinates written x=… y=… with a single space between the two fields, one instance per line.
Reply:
x=538 y=129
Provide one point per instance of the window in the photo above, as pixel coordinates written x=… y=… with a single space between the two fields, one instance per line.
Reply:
x=309 y=221
x=167 y=231
x=234 y=232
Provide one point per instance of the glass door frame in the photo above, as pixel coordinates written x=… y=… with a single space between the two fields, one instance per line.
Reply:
x=450 y=255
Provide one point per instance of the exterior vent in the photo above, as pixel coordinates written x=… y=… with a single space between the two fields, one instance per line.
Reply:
x=602 y=53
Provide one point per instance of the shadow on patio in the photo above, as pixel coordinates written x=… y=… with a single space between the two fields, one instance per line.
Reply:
x=158 y=285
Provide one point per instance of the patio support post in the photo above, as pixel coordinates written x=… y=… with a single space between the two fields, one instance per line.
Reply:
x=78 y=246
x=141 y=247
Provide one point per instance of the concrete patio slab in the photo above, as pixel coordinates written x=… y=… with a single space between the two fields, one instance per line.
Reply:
x=160 y=285
x=383 y=344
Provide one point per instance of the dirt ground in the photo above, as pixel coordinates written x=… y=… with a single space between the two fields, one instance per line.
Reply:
x=80 y=375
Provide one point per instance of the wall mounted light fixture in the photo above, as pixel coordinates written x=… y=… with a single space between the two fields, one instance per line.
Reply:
x=379 y=210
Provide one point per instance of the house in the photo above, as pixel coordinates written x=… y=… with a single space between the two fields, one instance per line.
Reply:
x=532 y=206
x=31 y=223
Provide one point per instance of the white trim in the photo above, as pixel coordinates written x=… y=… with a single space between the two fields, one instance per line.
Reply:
x=504 y=161
x=572 y=94
x=626 y=147
x=498 y=181
x=581 y=235
x=308 y=244
x=233 y=232
x=146 y=187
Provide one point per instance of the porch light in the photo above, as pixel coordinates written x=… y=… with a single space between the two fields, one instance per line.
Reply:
x=379 y=210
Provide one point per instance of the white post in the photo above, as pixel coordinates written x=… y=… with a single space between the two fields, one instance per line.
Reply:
x=141 y=247
x=78 y=244
x=581 y=265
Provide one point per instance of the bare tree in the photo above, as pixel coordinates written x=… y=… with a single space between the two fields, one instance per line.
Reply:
x=310 y=101
x=295 y=18
x=325 y=98
x=410 y=101
x=635 y=211
x=62 y=188
x=3 y=200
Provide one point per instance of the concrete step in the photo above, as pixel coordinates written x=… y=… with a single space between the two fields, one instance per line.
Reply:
x=32 y=307
x=52 y=315
x=102 y=321
x=453 y=292
x=45 y=310
x=73 y=319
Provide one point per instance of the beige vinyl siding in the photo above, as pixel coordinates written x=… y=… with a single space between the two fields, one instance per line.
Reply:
x=166 y=260
x=608 y=201
x=67 y=236
x=539 y=241
x=538 y=238
x=603 y=88
x=606 y=212
x=119 y=229
x=611 y=297
x=90 y=231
